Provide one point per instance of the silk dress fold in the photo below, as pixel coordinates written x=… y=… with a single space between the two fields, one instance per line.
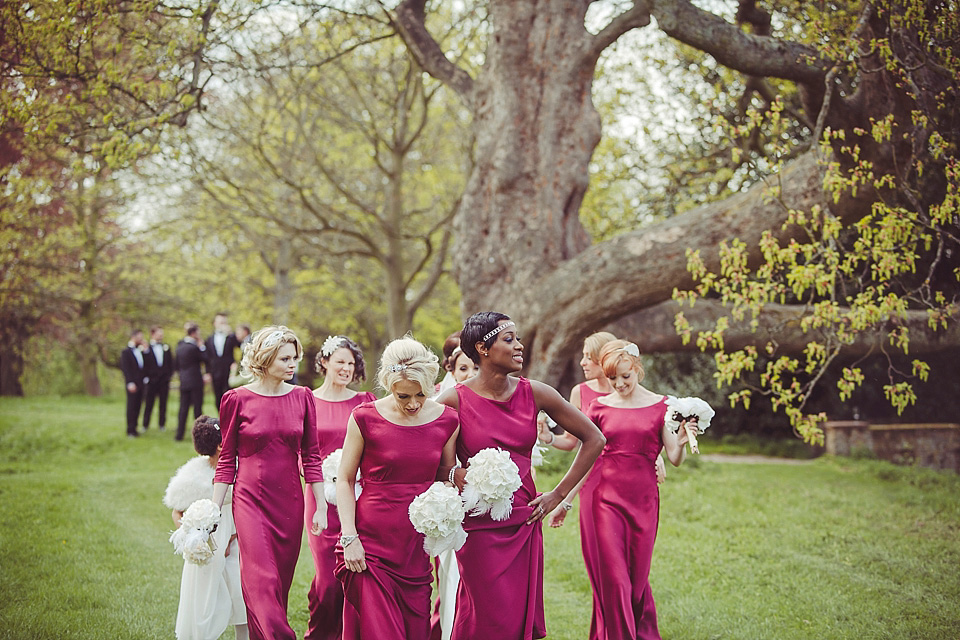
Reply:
x=392 y=596
x=501 y=564
x=264 y=440
x=619 y=515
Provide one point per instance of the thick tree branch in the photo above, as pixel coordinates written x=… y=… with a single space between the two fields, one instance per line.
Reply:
x=409 y=20
x=732 y=47
x=635 y=17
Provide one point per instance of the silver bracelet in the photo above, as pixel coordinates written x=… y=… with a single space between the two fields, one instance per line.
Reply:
x=553 y=437
x=346 y=541
x=450 y=476
x=566 y=506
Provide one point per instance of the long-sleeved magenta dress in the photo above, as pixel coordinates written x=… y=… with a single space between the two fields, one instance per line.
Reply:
x=264 y=440
x=501 y=564
x=619 y=514
x=392 y=596
x=325 y=597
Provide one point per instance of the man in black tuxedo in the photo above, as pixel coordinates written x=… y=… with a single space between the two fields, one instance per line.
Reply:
x=134 y=375
x=159 y=363
x=220 y=358
x=191 y=353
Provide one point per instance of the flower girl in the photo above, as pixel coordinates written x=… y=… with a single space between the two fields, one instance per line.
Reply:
x=210 y=596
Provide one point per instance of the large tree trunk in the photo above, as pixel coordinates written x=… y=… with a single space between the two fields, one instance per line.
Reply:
x=11 y=368
x=518 y=218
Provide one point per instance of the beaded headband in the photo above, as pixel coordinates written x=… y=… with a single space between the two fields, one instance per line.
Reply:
x=500 y=327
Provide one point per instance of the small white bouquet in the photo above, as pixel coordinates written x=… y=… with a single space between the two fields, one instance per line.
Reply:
x=536 y=455
x=330 y=466
x=438 y=514
x=680 y=409
x=492 y=478
x=193 y=539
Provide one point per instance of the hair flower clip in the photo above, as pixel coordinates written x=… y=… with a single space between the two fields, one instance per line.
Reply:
x=632 y=350
x=273 y=338
x=331 y=344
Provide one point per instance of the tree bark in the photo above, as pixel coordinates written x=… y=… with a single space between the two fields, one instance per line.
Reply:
x=11 y=368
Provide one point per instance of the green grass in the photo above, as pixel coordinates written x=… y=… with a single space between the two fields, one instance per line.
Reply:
x=835 y=549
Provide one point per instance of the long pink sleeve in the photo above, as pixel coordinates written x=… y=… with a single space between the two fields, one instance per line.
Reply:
x=310 y=442
x=229 y=429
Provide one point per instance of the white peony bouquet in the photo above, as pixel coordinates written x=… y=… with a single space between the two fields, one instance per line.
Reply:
x=492 y=478
x=193 y=539
x=680 y=409
x=330 y=466
x=438 y=514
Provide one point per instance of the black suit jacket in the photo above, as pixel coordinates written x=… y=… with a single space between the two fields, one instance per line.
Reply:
x=189 y=359
x=219 y=366
x=159 y=373
x=131 y=369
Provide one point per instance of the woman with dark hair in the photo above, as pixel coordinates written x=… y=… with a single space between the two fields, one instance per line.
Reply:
x=210 y=594
x=269 y=427
x=501 y=564
x=340 y=362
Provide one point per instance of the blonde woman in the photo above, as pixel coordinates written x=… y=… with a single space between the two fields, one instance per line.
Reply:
x=398 y=443
x=269 y=426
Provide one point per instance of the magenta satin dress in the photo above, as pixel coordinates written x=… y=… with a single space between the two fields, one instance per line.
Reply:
x=264 y=440
x=392 y=596
x=587 y=395
x=619 y=514
x=325 y=597
x=501 y=564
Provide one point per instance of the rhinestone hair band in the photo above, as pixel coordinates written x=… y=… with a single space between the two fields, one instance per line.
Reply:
x=499 y=328
x=397 y=368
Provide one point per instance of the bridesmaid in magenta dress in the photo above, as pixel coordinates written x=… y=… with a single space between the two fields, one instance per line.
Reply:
x=340 y=362
x=501 y=564
x=268 y=428
x=398 y=443
x=620 y=501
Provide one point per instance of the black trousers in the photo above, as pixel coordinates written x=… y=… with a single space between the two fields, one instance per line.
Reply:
x=188 y=397
x=156 y=392
x=134 y=401
x=220 y=387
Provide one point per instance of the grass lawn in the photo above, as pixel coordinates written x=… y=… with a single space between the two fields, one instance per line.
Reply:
x=826 y=549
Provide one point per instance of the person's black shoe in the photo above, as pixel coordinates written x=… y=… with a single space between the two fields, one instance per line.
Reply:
x=133 y=434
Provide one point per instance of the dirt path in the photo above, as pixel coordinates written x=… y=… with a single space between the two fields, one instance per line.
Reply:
x=750 y=459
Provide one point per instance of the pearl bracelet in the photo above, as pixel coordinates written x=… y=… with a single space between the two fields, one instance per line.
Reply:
x=346 y=541
x=450 y=476
x=566 y=506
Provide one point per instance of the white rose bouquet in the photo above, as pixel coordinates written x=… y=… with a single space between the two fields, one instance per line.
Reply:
x=438 y=514
x=492 y=478
x=193 y=540
x=680 y=409
x=330 y=466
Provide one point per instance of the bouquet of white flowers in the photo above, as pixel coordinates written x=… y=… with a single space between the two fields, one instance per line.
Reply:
x=330 y=466
x=492 y=478
x=193 y=540
x=438 y=514
x=680 y=409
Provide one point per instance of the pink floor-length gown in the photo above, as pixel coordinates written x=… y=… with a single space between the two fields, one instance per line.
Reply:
x=392 y=596
x=325 y=597
x=501 y=564
x=619 y=514
x=264 y=439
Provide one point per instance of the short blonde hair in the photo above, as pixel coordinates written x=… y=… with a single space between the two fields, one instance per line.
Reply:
x=262 y=349
x=594 y=342
x=405 y=358
x=613 y=352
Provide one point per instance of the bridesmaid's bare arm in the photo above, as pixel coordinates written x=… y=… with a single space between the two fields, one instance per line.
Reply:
x=353 y=554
